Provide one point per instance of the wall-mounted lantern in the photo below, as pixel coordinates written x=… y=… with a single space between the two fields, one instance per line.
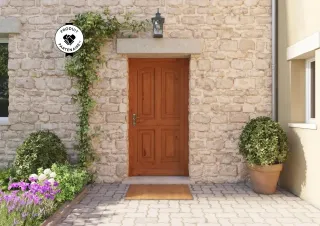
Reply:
x=157 y=22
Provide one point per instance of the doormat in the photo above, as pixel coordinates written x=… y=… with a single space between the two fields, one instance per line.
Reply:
x=159 y=192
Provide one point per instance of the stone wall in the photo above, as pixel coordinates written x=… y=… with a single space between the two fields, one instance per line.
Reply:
x=230 y=82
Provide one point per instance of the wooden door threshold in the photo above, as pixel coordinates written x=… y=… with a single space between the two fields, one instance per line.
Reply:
x=157 y=180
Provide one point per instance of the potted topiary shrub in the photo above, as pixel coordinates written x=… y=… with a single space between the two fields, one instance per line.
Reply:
x=263 y=143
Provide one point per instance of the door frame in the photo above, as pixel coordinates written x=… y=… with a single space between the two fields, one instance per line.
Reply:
x=186 y=62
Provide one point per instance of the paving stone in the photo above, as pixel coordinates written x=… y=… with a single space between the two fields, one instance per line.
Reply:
x=243 y=209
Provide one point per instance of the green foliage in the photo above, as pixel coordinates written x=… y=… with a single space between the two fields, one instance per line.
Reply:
x=3 y=72
x=71 y=180
x=83 y=66
x=263 y=142
x=4 y=56
x=5 y=175
x=10 y=219
x=40 y=149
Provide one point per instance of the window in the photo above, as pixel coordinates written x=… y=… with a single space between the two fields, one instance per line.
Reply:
x=310 y=90
x=4 y=94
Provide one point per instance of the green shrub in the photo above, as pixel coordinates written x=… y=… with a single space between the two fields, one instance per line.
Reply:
x=263 y=142
x=40 y=149
x=71 y=180
x=5 y=175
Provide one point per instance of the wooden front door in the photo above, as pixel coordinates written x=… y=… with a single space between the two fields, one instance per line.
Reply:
x=158 y=117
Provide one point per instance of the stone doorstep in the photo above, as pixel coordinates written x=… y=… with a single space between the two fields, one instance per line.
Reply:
x=65 y=209
x=157 y=180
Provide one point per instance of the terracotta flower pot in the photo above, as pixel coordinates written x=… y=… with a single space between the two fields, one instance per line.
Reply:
x=265 y=178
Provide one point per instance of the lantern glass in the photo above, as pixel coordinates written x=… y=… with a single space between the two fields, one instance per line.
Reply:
x=158 y=25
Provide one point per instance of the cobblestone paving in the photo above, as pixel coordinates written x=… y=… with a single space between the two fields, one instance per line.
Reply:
x=214 y=204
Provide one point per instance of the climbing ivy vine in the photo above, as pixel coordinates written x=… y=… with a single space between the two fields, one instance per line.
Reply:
x=84 y=64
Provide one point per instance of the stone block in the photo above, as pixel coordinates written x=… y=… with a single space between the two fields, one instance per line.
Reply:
x=21 y=3
x=35 y=34
x=174 y=2
x=52 y=108
x=14 y=64
x=121 y=170
x=262 y=64
x=251 y=2
x=146 y=3
x=238 y=117
x=50 y=2
x=77 y=3
x=46 y=45
x=28 y=64
x=246 y=45
x=241 y=64
x=116 y=118
x=40 y=20
x=229 y=45
x=227 y=170
x=58 y=83
x=204 y=65
x=126 y=2
x=198 y=2
x=220 y=64
x=119 y=83
x=192 y=20
x=196 y=170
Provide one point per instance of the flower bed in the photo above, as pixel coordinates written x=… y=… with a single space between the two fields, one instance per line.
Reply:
x=32 y=201
x=30 y=194
x=27 y=203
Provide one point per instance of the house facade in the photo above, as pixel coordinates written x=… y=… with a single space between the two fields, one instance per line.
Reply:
x=170 y=106
x=298 y=69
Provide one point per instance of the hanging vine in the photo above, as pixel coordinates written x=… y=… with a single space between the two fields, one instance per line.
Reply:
x=83 y=66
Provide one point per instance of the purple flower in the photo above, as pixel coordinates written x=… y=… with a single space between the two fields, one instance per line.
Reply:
x=22 y=185
x=22 y=202
x=24 y=215
x=28 y=197
x=11 y=208
x=31 y=179
x=15 y=222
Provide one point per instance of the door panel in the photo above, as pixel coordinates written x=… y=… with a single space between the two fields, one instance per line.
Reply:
x=158 y=136
x=170 y=145
x=146 y=91
x=146 y=145
x=170 y=97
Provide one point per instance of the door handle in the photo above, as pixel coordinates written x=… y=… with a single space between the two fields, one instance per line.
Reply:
x=134 y=119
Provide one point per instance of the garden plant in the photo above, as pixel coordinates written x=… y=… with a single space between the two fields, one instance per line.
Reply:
x=263 y=143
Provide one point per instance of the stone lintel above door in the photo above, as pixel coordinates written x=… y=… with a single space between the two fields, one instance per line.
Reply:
x=160 y=48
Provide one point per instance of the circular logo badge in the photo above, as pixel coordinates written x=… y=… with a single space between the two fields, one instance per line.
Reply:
x=69 y=38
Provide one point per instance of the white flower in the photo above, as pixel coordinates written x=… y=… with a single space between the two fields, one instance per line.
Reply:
x=34 y=176
x=51 y=181
x=42 y=177
x=53 y=175
x=47 y=171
